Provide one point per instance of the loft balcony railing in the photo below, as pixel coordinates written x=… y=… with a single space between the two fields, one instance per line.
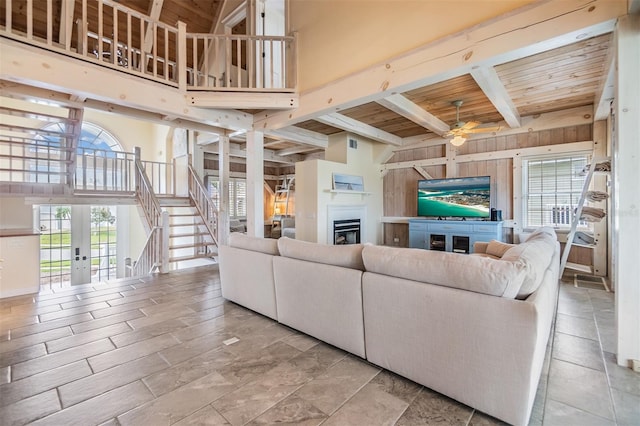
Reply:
x=83 y=171
x=107 y=33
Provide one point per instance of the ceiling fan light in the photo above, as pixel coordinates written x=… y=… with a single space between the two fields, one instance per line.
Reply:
x=458 y=140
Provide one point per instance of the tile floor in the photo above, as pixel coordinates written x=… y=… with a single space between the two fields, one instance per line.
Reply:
x=157 y=351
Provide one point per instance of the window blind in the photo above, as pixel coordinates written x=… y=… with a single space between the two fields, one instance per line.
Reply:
x=552 y=189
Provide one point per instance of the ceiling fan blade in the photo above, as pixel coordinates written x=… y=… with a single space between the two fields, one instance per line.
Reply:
x=470 y=125
x=484 y=129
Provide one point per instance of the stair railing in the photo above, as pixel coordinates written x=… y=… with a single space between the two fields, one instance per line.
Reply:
x=155 y=217
x=204 y=204
x=161 y=176
x=147 y=262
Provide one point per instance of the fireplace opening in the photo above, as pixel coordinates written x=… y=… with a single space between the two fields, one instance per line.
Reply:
x=346 y=231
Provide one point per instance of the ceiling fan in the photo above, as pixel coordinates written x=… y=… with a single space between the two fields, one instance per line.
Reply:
x=460 y=130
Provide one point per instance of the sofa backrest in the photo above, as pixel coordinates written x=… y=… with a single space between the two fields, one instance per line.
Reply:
x=472 y=273
x=346 y=256
x=262 y=245
x=536 y=255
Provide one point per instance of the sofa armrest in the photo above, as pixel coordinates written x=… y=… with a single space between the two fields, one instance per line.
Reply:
x=480 y=246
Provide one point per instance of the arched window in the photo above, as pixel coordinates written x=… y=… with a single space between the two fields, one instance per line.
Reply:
x=48 y=155
x=95 y=137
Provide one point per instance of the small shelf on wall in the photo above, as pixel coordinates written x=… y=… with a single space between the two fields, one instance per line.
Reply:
x=346 y=191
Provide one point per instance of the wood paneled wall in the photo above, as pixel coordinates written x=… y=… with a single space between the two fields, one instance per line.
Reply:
x=400 y=185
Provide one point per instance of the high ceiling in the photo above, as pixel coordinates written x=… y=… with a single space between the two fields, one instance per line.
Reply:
x=574 y=75
x=559 y=79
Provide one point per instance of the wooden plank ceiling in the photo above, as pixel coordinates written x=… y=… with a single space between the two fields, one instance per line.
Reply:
x=563 y=78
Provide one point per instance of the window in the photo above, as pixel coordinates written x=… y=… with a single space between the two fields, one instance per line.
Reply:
x=237 y=196
x=551 y=189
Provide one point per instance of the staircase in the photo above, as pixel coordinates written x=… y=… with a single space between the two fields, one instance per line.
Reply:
x=189 y=237
x=179 y=229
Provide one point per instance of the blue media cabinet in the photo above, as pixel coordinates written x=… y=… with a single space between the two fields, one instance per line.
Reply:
x=451 y=235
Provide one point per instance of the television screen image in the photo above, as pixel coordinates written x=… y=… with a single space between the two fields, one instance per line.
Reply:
x=455 y=197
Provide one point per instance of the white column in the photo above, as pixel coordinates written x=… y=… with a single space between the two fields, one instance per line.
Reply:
x=626 y=175
x=600 y=184
x=255 y=184
x=197 y=154
x=223 y=174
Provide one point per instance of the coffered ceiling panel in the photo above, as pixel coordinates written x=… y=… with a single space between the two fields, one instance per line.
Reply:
x=376 y=115
x=437 y=99
x=562 y=78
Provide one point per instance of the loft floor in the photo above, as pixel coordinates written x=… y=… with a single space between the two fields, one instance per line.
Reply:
x=158 y=351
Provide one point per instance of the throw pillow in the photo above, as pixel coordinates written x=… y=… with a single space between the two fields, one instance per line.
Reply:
x=498 y=248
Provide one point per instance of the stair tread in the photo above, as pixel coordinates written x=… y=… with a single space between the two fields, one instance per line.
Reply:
x=185 y=246
x=188 y=235
x=183 y=258
x=175 y=225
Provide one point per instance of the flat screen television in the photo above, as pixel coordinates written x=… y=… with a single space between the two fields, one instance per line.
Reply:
x=455 y=197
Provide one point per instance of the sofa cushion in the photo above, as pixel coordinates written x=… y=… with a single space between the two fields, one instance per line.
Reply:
x=497 y=248
x=262 y=245
x=487 y=255
x=346 y=256
x=541 y=232
x=474 y=273
x=535 y=254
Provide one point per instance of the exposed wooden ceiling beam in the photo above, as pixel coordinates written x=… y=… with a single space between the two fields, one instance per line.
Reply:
x=300 y=135
x=403 y=106
x=272 y=143
x=79 y=78
x=240 y=100
x=606 y=88
x=488 y=80
x=359 y=128
x=237 y=151
x=536 y=28
x=531 y=123
x=295 y=150
x=66 y=22
x=16 y=90
x=155 y=8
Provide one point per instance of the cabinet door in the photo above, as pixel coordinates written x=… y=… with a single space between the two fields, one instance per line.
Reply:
x=418 y=239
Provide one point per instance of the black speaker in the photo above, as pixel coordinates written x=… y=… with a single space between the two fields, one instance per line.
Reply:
x=496 y=215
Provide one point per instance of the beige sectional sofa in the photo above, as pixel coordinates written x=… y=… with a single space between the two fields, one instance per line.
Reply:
x=472 y=327
x=246 y=271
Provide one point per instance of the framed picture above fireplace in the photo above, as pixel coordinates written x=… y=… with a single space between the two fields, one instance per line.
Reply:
x=347 y=182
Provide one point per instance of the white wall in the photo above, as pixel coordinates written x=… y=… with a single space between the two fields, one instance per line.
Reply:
x=352 y=35
x=15 y=214
x=314 y=181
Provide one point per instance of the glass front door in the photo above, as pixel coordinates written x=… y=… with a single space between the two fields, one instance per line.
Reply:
x=77 y=244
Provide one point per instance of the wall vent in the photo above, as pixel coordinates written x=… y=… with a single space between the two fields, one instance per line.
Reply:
x=353 y=143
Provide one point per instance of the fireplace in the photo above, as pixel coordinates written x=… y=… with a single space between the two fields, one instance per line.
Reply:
x=346 y=231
